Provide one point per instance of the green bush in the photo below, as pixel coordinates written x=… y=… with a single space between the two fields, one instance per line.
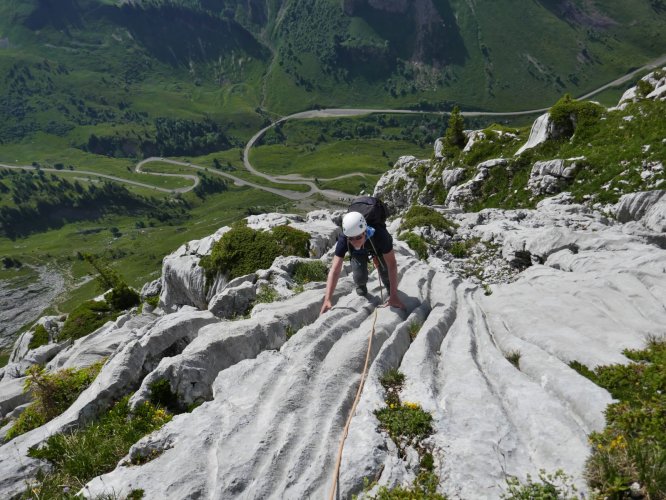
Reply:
x=405 y=420
x=85 y=319
x=53 y=393
x=243 y=250
x=416 y=243
x=632 y=446
x=418 y=216
x=307 y=272
x=122 y=297
x=79 y=456
x=458 y=249
x=568 y=114
x=40 y=337
x=292 y=241
x=161 y=395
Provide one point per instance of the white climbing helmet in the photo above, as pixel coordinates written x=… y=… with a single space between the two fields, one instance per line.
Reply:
x=353 y=224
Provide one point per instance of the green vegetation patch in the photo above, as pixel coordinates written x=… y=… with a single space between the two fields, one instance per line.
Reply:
x=405 y=421
x=632 y=447
x=86 y=318
x=568 y=114
x=419 y=216
x=308 y=272
x=266 y=294
x=243 y=250
x=40 y=337
x=79 y=456
x=554 y=486
x=53 y=393
x=416 y=243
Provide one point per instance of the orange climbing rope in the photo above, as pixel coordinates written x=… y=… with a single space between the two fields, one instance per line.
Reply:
x=345 y=431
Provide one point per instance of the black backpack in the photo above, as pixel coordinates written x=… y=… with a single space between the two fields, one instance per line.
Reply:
x=373 y=210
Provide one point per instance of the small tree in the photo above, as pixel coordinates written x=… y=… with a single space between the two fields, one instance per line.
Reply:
x=454 y=138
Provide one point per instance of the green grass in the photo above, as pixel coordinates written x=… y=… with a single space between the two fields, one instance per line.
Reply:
x=53 y=393
x=329 y=160
x=416 y=243
x=138 y=253
x=78 y=456
x=307 y=272
x=4 y=358
x=632 y=446
x=420 y=216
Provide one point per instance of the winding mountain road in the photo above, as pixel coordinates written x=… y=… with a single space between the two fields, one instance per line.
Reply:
x=296 y=178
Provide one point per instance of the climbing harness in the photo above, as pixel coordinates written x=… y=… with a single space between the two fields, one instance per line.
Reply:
x=345 y=431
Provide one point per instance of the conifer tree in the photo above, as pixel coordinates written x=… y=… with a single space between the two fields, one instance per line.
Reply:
x=454 y=138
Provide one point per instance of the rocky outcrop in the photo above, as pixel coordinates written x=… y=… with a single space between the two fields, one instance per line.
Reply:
x=184 y=280
x=551 y=176
x=647 y=207
x=399 y=188
x=291 y=402
x=541 y=131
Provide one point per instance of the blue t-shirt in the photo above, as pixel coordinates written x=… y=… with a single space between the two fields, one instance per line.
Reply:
x=376 y=238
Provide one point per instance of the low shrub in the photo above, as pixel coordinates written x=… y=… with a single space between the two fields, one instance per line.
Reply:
x=392 y=379
x=307 y=272
x=568 y=114
x=461 y=249
x=53 y=393
x=122 y=297
x=161 y=395
x=423 y=488
x=555 y=486
x=242 y=250
x=405 y=421
x=83 y=454
x=419 y=216
x=416 y=243
x=40 y=337
x=85 y=319
x=632 y=446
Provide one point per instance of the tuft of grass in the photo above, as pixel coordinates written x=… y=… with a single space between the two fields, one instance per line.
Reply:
x=419 y=216
x=40 y=337
x=307 y=272
x=553 y=486
x=423 y=488
x=416 y=243
x=85 y=319
x=266 y=295
x=162 y=396
x=4 y=358
x=513 y=357
x=153 y=301
x=392 y=379
x=414 y=328
x=78 y=456
x=53 y=393
x=632 y=446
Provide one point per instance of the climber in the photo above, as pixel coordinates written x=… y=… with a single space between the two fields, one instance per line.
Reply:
x=364 y=241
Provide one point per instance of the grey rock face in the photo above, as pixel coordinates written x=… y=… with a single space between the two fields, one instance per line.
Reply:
x=398 y=187
x=549 y=177
x=278 y=386
x=233 y=301
x=542 y=130
x=647 y=207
